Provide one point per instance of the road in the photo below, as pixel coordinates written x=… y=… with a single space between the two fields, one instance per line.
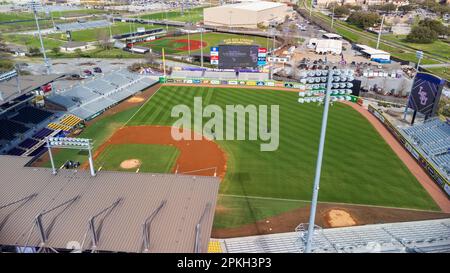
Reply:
x=372 y=37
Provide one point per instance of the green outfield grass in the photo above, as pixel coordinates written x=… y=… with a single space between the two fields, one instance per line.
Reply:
x=153 y=158
x=232 y=211
x=359 y=167
x=211 y=39
x=190 y=15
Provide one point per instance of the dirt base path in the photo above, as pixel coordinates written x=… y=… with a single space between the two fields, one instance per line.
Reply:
x=430 y=186
x=361 y=215
x=197 y=157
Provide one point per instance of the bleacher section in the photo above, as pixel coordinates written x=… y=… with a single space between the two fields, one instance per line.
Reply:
x=100 y=93
x=433 y=137
x=57 y=126
x=33 y=115
x=82 y=25
x=420 y=236
x=70 y=120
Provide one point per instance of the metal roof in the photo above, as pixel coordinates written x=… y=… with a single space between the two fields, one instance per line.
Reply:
x=69 y=199
x=254 y=6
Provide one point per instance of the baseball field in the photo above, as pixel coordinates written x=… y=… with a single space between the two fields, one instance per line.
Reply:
x=179 y=44
x=359 y=167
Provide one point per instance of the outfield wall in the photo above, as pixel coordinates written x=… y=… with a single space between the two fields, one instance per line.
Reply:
x=423 y=160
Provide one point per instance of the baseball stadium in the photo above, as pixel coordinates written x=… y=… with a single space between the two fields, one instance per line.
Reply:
x=96 y=166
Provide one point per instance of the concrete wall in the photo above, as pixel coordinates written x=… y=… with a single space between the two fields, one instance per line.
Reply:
x=220 y=16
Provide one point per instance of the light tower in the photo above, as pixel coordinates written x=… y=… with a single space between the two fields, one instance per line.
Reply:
x=34 y=7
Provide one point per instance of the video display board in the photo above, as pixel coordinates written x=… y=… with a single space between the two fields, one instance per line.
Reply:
x=238 y=56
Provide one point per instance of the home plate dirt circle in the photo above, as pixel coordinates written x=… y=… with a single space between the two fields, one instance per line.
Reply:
x=130 y=164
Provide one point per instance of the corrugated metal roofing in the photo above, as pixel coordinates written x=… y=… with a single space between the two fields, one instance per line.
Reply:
x=119 y=229
x=254 y=6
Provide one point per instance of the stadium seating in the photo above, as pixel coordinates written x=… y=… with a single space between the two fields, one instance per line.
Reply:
x=84 y=25
x=16 y=151
x=433 y=137
x=28 y=143
x=214 y=247
x=419 y=236
x=70 y=120
x=9 y=129
x=41 y=134
x=99 y=93
x=57 y=126
x=33 y=115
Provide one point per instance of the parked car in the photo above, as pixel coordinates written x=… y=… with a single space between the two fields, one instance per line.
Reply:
x=97 y=70
x=87 y=72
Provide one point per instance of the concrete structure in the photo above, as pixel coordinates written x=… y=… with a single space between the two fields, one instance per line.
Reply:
x=324 y=46
x=113 y=211
x=72 y=46
x=372 y=53
x=246 y=15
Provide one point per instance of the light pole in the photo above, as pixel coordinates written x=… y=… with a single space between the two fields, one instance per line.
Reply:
x=201 y=47
x=231 y=12
x=34 y=7
x=340 y=81
x=332 y=18
x=312 y=215
x=380 y=31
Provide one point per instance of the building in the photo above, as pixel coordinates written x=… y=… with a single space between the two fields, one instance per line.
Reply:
x=372 y=53
x=246 y=15
x=72 y=46
x=325 y=46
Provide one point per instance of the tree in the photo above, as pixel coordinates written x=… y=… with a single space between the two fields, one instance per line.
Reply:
x=406 y=8
x=363 y=19
x=56 y=50
x=341 y=11
x=422 y=35
x=434 y=25
x=78 y=52
x=34 y=51
x=103 y=39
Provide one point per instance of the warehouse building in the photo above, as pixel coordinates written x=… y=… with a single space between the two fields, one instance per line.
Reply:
x=372 y=53
x=246 y=14
x=325 y=46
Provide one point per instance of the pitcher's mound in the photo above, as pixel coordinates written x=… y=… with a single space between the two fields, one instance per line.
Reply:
x=135 y=99
x=339 y=218
x=130 y=164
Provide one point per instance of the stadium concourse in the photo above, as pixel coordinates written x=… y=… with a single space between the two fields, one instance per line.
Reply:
x=431 y=236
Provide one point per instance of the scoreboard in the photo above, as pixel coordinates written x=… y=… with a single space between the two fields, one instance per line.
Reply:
x=238 y=56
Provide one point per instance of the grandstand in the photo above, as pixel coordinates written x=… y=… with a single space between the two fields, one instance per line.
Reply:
x=93 y=96
x=82 y=25
x=433 y=138
x=420 y=236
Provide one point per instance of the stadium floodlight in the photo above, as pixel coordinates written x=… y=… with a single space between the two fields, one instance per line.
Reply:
x=35 y=6
x=338 y=80
x=70 y=143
